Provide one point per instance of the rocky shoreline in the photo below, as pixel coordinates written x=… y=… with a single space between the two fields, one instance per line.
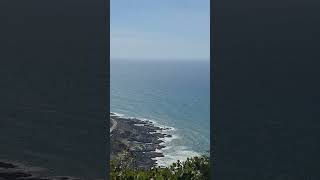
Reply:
x=140 y=138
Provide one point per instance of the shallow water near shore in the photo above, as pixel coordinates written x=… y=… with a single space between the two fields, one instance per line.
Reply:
x=170 y=94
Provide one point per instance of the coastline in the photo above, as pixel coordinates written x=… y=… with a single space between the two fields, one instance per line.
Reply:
x=143 y=138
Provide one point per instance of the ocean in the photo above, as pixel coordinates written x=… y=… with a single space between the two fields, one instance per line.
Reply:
x=174 y=94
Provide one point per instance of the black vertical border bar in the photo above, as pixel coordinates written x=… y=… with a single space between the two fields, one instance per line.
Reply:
x=107 y=59
x=212 y=86
x=215 y=8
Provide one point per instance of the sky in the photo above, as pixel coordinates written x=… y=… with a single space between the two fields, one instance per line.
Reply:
x=160 y=29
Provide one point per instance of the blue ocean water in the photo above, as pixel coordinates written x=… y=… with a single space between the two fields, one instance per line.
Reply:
x=170 y=93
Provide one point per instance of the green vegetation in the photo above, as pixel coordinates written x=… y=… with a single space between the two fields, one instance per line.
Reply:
x=195 y=168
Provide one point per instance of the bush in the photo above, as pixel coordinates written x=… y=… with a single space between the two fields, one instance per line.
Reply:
x=195 y=168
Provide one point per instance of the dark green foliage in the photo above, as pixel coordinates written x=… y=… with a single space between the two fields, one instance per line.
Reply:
x=196 y=168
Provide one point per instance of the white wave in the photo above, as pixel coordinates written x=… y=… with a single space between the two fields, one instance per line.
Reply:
x=167 y=140
x=174 y=153
x=116 y=114
x=155 y=123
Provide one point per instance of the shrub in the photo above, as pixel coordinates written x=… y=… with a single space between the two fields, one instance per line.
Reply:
x=195 y=168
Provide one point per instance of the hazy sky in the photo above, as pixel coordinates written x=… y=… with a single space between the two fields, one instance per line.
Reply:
x=160 y=29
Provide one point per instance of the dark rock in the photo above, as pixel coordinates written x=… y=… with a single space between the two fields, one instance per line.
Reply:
x=140 y=140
